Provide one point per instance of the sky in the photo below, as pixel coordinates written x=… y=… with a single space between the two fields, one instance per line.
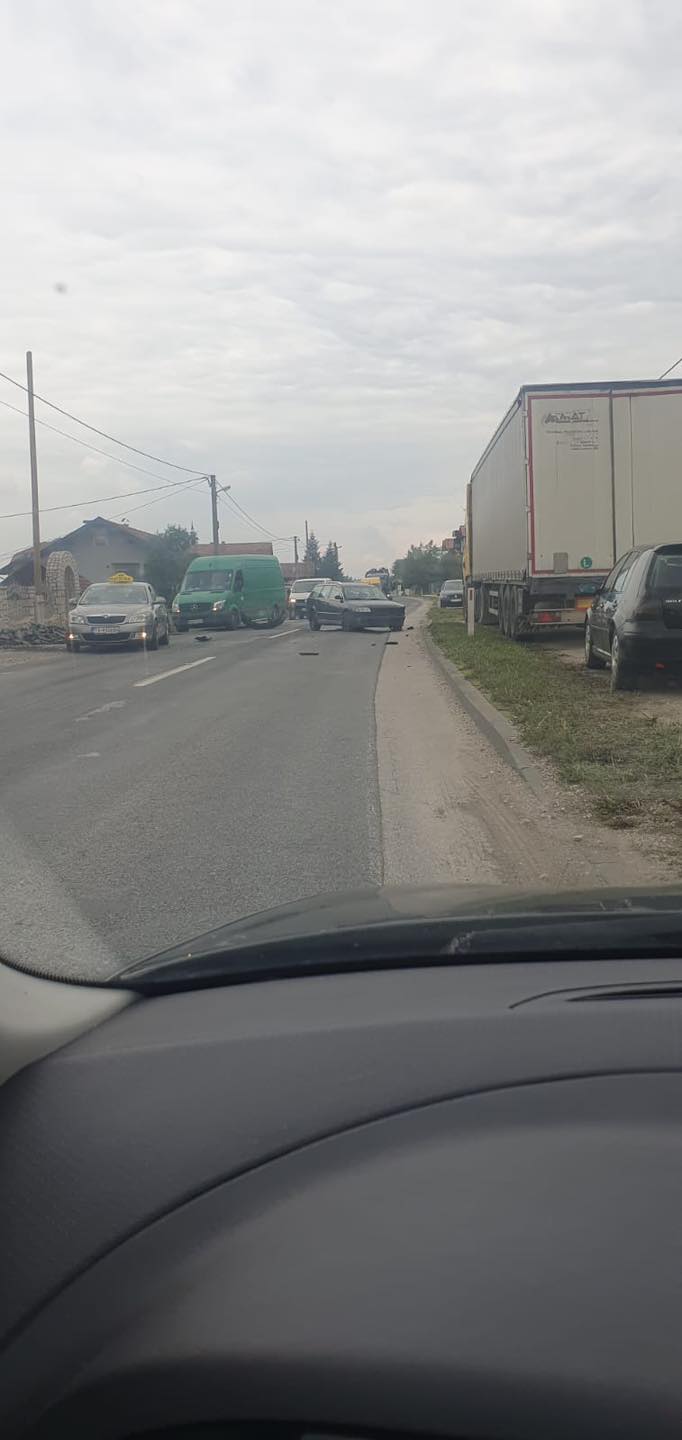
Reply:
x=316 y=248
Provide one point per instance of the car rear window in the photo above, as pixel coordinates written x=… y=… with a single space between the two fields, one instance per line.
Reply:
x=666 y=573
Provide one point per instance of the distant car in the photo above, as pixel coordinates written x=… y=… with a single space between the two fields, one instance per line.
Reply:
x=451 y=594
x=354 y=606
x=118 y=614
x=635 y=621
x=298 y=595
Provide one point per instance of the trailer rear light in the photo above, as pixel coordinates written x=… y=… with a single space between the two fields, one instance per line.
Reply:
x=548 y=617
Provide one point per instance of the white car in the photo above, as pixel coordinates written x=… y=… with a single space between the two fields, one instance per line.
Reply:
x=119 y=614
x=298 y=595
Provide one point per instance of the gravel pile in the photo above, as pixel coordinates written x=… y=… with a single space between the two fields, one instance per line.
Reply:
x=27 y=637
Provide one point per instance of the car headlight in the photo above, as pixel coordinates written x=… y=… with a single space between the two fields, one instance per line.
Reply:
x=140 y=617
x=176 y=609
x=75 y=619
x=218 y=605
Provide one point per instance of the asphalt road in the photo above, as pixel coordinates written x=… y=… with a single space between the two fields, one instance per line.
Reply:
x=146 y=798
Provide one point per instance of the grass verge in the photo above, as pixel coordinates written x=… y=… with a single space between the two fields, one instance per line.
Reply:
x=628 y=764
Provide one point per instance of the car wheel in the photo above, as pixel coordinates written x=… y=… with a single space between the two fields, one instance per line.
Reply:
x=622 y=677
x=592 y=661
x=165 y=640
x=152 y=641
x=73 y=646
x=314 y=622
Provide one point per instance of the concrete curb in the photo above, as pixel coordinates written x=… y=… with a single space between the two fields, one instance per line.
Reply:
x=491 y=722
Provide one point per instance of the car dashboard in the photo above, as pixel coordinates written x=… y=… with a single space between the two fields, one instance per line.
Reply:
x=428 y=1201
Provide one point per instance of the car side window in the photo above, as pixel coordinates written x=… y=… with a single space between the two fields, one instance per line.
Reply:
x=623 y=573
x=610 y=581
x=239 y=581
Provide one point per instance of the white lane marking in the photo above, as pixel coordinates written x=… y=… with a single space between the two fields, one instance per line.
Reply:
x=282 y=634
x=88 y=755
x=154 y=679
x=102 y=709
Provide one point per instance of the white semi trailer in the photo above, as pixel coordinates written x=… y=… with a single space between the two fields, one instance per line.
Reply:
x=573 y=477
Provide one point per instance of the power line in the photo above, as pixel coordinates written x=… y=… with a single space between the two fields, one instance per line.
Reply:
x=103 y=433
x=130 y=510
x=100 y=500
x=129 y=464
x=670 y=367
x=257 y=523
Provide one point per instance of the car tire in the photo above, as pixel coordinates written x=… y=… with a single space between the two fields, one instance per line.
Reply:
x=166 y=636
x=592 y=661
x=152 y=643
x=74 y=647
x=314 y=622
x=622 y=676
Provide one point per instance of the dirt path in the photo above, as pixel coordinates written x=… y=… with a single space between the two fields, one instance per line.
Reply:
x=454 y=811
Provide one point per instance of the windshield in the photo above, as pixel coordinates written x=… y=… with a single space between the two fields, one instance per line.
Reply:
x=363 y=592
x=300 y=297
x=207 y=580
x=115 y=595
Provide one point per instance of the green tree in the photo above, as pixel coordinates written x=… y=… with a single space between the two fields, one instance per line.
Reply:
x=167 y=559
x=330 y=563
x=312 y=553
x=426 y=566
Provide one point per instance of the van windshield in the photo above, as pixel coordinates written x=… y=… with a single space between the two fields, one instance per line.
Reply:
x=207 y=580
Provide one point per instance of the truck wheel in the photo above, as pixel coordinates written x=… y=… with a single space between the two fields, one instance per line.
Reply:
x=622 y=676
x=592 y=661
x=233 y=620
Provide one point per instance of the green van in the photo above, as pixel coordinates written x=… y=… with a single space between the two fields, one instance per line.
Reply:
x=231 y=590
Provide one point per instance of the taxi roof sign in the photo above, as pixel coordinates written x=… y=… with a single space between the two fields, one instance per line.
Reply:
x=120 y=578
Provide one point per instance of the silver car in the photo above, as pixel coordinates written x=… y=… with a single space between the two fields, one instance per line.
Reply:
x=114 y=613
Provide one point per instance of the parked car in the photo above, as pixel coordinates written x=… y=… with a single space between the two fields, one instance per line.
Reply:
x=226 y=591
x=635 y=621
x=116 y=613
x=354 y=606
x=300 y=593
x=451 y=594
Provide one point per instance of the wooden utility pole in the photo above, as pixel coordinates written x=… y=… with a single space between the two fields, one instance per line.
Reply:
x=214 y=513
x=296 y=557
x=306 y=535
x=35 y=506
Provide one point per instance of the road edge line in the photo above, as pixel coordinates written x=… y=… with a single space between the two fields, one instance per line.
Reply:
x=498 y=730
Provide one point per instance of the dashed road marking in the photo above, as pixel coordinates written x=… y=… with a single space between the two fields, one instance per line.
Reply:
x=165 y=674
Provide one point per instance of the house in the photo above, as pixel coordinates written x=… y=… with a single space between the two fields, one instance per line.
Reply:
x=100 y=548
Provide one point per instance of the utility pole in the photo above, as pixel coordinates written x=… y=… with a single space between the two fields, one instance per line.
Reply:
x=35 y=506
x=214 y=513
x=296 y=557
x=306 y=534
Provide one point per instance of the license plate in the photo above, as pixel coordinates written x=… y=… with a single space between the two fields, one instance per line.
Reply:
x=106 y=629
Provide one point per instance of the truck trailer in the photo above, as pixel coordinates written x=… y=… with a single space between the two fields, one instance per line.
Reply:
x=574 y=476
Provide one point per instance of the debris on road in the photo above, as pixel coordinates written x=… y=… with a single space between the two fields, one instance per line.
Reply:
x=202 y=637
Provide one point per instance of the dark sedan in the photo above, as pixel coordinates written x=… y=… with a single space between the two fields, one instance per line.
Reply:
x=635 y=622
x=354 y=606
x=451 y=594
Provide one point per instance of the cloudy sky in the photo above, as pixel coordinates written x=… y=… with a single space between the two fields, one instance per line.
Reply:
x=317 y=247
